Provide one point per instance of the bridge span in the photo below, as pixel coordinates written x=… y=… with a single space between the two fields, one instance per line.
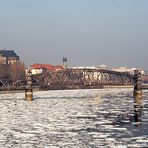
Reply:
x=72 y=79
x=81 y=78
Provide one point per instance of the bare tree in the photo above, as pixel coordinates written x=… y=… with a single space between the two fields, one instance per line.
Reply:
x=13 y=71
x=17 y=71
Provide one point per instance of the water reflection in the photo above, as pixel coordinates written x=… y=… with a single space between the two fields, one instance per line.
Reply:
x=96 y=99
x=137 y=111
x=134 y=117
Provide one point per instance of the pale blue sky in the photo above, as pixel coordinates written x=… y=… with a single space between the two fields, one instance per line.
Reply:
x=88 y=32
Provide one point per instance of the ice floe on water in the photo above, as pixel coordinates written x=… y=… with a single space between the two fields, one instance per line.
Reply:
x=74 y=119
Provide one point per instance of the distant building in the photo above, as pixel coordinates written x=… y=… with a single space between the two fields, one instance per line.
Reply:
x=38 y=68
x=126 y=69
x=65 y=62
x=8 y=57
x=145 y=78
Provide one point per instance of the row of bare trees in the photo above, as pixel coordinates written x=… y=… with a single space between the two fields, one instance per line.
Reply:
x=13 y=72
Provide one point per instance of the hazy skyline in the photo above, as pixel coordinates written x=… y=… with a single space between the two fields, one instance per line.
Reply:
x=87 y=32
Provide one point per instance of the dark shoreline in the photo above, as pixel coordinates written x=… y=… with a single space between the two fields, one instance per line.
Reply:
x=65 y=87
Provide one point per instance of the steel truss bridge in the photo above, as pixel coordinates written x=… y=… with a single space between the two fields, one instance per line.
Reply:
x=81 y=78
x=72 y=78
x=6 y=84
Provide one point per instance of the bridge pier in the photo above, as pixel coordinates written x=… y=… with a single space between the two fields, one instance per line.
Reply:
x=137 y=92
x=29 y=90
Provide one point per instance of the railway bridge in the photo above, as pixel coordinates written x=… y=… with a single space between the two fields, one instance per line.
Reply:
x=81 y=78
x=72 y=78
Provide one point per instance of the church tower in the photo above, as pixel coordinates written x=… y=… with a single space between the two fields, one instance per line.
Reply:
x=65 y=62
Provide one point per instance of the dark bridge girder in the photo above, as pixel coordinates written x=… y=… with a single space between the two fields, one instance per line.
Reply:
x=71 y=78
x=6 y=84
x=83 y=77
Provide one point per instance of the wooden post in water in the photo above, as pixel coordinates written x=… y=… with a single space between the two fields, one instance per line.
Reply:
x=137 y=93
x=29 y=91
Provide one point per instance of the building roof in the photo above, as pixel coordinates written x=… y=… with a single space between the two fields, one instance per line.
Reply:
x=39 y=66
x=8 y=53
x=46 y=66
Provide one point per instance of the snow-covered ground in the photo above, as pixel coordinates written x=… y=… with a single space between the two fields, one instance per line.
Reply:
x=73 y=119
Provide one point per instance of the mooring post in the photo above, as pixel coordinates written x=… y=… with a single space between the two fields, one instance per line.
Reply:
x=137 y=93
x=29 y=90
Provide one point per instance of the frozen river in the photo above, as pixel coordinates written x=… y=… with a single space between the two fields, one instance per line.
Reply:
x=73 y=119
